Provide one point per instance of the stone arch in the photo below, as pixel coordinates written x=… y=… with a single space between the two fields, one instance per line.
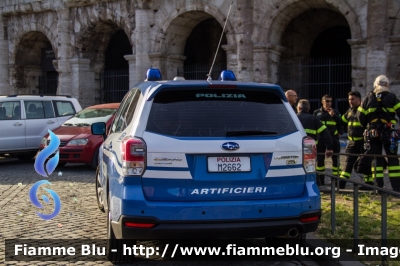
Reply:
x=275 y=24
x=95 y=25
x=93 y=42
x=301 y=33
x=296 y=35
x=32 y=70
x=171 y=18
x=26 y=29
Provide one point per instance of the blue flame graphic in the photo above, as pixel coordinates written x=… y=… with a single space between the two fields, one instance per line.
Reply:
x=45 y=153
x=35 y=200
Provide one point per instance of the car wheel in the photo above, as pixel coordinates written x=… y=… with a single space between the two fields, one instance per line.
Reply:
x=114 y=243
x=25 y=156
x=95 y=160
x=99 y=191
x=283 y=241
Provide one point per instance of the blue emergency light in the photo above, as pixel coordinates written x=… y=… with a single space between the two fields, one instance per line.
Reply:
x=227 y=75
x=153 y=74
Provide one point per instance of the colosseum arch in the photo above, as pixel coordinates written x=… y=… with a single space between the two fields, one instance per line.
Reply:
x=314 y=55
x=32 y=70
x=93 y=41
x=273 y=25
x=105 y=42
x=177 y=25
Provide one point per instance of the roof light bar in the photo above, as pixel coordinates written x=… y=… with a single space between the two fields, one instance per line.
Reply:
x=153 y=74
x=227 y=75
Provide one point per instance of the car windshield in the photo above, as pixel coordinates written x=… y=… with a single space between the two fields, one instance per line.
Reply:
x=89 y=116
x=219 y=113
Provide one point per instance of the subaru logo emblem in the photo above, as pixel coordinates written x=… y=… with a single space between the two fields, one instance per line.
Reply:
x=230 y=146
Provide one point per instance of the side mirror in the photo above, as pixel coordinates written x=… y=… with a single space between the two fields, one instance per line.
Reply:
x=99 y=128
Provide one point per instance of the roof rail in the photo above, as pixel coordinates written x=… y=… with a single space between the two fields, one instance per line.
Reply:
x=40 y=95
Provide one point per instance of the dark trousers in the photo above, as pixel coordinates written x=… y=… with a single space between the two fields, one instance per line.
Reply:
x=392 y=165
x=321 y=148
x=354 y=147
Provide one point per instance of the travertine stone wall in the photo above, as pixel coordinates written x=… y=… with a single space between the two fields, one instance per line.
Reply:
x=79 y=32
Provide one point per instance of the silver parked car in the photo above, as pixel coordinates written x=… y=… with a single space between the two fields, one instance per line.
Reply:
x=25 y=119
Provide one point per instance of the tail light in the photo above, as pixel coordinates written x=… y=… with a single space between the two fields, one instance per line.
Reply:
x=309 y=154
x=309 y=219
x=139 y=225
x=133 y=156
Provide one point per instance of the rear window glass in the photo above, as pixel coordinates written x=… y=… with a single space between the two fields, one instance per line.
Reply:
x=64 y=108
x=219 y=113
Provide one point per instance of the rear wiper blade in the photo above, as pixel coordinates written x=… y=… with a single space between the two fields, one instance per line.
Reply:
x=249 y=133
x=68 y=124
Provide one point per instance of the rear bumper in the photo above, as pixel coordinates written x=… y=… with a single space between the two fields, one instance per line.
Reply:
x=213 y=229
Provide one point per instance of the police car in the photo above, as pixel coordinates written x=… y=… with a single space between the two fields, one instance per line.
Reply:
x=206 y=159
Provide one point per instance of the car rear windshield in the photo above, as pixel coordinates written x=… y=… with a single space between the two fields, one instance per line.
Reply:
x=219 y=113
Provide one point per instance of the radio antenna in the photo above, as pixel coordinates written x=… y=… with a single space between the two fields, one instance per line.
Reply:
x=220 y=39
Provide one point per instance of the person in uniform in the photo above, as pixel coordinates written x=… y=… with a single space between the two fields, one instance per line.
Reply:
x=377 y=113
x=355 y=144
x=313 y=127
x=329 y=117
x=291 y=96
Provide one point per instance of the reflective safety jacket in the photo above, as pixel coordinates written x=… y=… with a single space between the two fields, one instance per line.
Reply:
x=315 y=129
x=354 y=128
x=369 y=111
x=332 y=123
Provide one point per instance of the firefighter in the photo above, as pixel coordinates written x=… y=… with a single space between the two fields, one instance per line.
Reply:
x=314 y=128
x=355 y=143
x=377 y=112
x=331 y=119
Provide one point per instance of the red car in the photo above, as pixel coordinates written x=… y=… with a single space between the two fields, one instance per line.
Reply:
x=77 y=144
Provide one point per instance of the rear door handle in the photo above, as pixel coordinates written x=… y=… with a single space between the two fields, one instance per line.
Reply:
x=17 y=124
x=50 y=122
x=110 y=145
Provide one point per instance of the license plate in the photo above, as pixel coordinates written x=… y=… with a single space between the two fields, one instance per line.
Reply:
x=229 y=164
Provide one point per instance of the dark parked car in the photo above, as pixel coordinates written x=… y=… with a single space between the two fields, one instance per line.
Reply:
x=77 y=144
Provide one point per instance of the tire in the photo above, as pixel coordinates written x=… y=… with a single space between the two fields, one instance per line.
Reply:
x=114 y=243
x=283 y=241
x=99 y=191
x=95 y=159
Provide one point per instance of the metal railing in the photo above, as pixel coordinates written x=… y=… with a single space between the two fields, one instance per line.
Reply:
x=114 y=84
x=312 y=78
x=375 y=189
x=48 y=83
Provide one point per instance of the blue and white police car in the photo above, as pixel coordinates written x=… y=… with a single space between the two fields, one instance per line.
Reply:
x=206 y=159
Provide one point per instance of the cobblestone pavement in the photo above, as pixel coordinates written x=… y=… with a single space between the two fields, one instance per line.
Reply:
x=79 y=217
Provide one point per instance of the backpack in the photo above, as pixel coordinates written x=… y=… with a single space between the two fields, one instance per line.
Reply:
x=380 y=118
